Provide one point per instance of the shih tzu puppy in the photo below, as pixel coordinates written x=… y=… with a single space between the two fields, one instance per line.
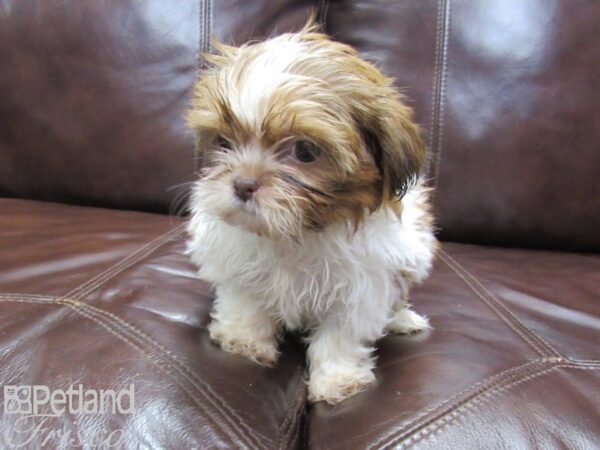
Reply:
x=309 y=213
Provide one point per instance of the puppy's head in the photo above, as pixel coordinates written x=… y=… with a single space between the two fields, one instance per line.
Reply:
x=297 y=133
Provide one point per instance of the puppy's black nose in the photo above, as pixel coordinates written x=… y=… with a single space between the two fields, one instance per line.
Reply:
x=245 y=188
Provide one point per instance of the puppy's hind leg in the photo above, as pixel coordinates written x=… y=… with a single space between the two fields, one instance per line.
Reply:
x=406 y=321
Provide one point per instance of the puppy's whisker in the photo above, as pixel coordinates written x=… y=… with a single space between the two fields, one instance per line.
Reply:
x=180 y=203
x=181 y=185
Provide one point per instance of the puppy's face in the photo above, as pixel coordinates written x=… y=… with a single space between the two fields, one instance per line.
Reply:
x=296 y=133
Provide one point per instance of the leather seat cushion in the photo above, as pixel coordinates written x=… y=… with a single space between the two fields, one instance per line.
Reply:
x=107 y=298
x=513 y=358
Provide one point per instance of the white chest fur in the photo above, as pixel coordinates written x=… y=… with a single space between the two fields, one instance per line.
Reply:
x=304 y=282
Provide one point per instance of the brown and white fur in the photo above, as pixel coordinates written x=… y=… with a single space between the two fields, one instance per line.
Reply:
x=309 y=214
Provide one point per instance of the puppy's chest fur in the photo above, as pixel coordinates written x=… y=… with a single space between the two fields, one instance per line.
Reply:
x=301 y=283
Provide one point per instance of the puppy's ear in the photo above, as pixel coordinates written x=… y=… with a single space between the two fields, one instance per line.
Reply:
x=392 y=138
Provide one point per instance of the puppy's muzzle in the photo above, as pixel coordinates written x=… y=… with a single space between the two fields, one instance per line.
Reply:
x=245 y=188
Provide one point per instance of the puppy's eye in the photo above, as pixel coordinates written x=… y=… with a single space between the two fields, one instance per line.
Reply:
x=306 y=151
x=224 y=143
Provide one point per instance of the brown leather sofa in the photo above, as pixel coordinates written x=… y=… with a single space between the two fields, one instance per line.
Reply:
x=95 y=290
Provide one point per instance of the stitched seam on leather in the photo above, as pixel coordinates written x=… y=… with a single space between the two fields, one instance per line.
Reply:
x=518 y=372
x=441 y=104
x=293 y=442
x=17 y=296
x=208 y=26
x=493 y=307
x=437 y=127
x=323 y=13
x=161 y=367
x=456 y=267
x=297 y=431
x=201 y=13
x=475 y=403
x=199 y=64
x=504 y=307
x=298 y=392
x=295 y=408
x=436 y=75
x=471 y=390
x=523 y=334
x=129 y=329
x=284 y=426
x=285 y=429
x=126 y=327
x=98 y=280
x=585 y=361
x=74 y=306
x=205 y=23
x=124 y=264
x=595 y=364
x=201 y=386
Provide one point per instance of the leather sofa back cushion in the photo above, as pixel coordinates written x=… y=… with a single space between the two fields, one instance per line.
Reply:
x=92 y=93
x=508 y=94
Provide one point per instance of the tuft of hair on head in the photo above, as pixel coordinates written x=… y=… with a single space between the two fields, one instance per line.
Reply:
x=312 y=25
x=221 y=54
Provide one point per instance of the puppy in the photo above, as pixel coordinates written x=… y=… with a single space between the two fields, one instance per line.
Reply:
x=309 y=213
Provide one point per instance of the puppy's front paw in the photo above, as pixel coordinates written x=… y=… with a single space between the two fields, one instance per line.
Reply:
x=407 y=321
x=337 y=384
x=241 y=342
